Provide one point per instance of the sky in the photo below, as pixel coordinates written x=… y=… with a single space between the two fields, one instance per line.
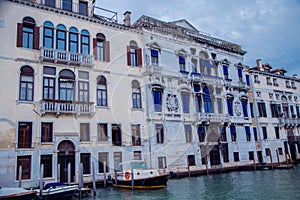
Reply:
x=266 y=29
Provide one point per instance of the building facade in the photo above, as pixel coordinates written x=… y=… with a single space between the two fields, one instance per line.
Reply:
x=80 y=88
x=276 y=111
x=77 y=91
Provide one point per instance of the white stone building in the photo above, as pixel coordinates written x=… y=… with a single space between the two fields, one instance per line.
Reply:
x=71 y=91
x=277 y=112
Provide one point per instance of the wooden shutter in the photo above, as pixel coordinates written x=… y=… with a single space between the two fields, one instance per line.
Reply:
x=139 y=55
x=36 y=35
x=128 y=56
x=95 y=48
x=107 y=51
x=19 y=34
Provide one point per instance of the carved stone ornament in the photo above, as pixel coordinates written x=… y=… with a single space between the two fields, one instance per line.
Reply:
x=172 y=103
x=238 y=108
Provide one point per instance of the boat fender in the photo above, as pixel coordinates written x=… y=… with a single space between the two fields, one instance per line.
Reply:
x=127 y=175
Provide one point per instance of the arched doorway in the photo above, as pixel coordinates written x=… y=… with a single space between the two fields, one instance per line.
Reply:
x=66 y=154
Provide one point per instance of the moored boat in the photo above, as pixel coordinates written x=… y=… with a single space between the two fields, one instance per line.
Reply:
x=57 y=191
x=143 y=178
x=17 y=194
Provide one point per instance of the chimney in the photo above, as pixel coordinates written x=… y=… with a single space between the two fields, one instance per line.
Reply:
x=259 y=65
x=295 y=75
x=127 y=18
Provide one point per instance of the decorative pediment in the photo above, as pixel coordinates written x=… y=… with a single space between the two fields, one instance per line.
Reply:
x=184 y=24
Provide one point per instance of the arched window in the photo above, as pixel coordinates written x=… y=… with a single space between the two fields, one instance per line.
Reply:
x=48 y=34
x=101 y=48
x=285 y=107
x=101 y=91
x=28 y=34
x=136 y=94
x=26 y=84
x=66 y=85
x=245 y=106
x=73 y=40
x=134 y=54
x=230 y=104
x=207 y=101
x=85 y=42
x=61 y=37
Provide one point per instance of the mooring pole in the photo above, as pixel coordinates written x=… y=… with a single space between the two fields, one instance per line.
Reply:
x=116 y=178
x=104 y=174
x=69 y=173
x=278 y=161
x=58 y=172
x=94 y=179
x=20 y=176
x=132 y=178
x=41 y=182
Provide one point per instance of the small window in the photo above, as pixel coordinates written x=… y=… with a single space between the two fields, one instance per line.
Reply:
x=101 y=91
x=248 y=133
x=103 y=162
x=117 y=161
x=24 y=134
x=233 y=133
x=26 y=84
x=264 y=131
x=134 y=55
x=223 y=137
x=256 y=79
x=154 y=57
x=201 y=133
x=84 y=132
x=236 y=156
x=277 y=133
x=136 y=135
x=102 y=132
x=101 y=48
x=50 y=3
x=162 y=163
x=61 y=37
x=83 y=86
x=182 y=63
x=25 y=162
x=67 y=5
x=86 y=163
x=255 y=133
x=268 y=152
x=28 y=34
x=191 y=160
x=83 y=8
x=116 y=134
x=185 y=97
x=240 y=74
x=136 y=94
x=47 y=132
x=188 y=133
x=85 y=42
x=137 y=155
x=73 y=40
x=157 y=99
x=48 y=34
x=159 y=133
x=46 y=160
x=225 y=72
x=288 y=84
x=262 y=109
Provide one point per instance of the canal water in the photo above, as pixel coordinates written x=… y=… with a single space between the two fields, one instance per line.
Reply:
x=267 y=184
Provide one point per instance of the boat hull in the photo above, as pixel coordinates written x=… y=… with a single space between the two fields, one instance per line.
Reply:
x=23 y=195
x=156 y=182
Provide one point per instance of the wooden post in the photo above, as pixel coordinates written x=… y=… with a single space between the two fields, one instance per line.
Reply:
x=132 y=178
x=20 y=176
x=80 y=177
x=58 y=172
x=206 y=164
x=278 y=161
x=254 y=164
x=104 y=174
x=41 y=182
x=116 y=178
x=69 y=173
x=189 y=172
x=271 y=161
x=94 y=179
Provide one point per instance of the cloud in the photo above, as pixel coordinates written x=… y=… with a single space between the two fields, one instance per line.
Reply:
x=266 y=29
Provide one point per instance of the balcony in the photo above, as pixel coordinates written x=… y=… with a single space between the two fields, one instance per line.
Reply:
x=289 y=121
x=293 y=138
x=209 y=79
x=153 y=70
x=212 y=117
x=59 y=107
x=66 y=57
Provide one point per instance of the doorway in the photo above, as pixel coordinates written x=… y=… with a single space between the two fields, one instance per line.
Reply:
x=214 y=155
x=259 y=157
x=66 y=154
